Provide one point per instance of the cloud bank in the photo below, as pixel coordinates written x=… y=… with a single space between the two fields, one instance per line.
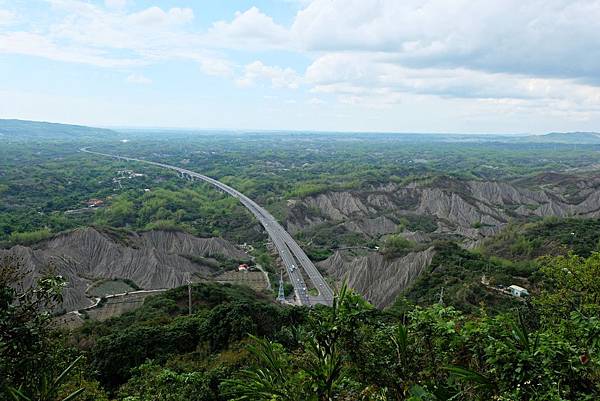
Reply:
x=519 y=55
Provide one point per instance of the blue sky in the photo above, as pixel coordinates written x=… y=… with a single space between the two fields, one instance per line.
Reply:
x=349 y=65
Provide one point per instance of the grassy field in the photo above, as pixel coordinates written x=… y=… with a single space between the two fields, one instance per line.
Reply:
x=112 y=307
x=254 y=280
x=118 y=305
x=109 y=287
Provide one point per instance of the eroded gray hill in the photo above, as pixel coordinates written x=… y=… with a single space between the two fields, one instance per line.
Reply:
x=153 y=260
x=376 y=277
x=469 y=209
x=423 y=211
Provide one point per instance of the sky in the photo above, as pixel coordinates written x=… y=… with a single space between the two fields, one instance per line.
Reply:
x=466 y=66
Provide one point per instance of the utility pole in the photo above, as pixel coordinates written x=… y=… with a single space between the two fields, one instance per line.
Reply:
x=189 y=284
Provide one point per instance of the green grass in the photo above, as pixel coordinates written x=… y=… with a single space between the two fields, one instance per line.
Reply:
x=552 y=236
x=109 y=287
x=459 y=271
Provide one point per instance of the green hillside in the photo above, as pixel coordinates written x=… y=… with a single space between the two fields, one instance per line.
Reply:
x=21 y=130
x=237 y=345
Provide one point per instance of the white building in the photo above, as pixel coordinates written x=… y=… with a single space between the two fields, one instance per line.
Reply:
x=517 y=291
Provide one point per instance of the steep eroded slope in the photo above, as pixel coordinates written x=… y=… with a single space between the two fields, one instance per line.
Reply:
x=154 y=259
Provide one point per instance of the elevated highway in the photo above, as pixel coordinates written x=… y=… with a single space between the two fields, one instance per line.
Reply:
x=293 y=257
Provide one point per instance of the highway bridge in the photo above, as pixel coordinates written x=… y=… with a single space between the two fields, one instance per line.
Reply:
x=293 y=257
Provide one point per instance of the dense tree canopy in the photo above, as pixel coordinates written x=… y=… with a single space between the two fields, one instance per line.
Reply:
x=239 y=345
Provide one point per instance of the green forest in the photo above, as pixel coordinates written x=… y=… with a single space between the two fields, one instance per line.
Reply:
x=239 y=345
x=45 y=184
x=299 y=200
x=448 y=336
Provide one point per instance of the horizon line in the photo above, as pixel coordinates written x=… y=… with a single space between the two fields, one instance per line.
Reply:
x=116 y=127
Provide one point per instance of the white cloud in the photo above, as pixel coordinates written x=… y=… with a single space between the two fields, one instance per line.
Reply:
x=249 y=28
x=277 y=76
x=510 y=54
x=91 y=34
x=217 y=67
x=536 y=54
x=32 y=44
x=6 y=17
x=359 y=75
x=116 y=4
x=315 y=101
x=155 y=16
x=112 y=38
x=537 y=37
x=147 y=33
x=138 y=79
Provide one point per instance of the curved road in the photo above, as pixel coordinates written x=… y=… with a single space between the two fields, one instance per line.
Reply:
x=290 y=252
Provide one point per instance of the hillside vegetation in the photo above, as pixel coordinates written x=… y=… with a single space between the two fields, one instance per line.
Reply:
x=237 y=345
x=552 y=236
x=21 y=130
x=421 y=235
x=455 y=275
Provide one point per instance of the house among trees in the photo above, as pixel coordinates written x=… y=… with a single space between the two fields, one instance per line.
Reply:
x=94 y=202
x=517 y=291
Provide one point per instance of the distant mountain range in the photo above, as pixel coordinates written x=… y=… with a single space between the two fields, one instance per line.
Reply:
x=567 y=137
x=20 y=130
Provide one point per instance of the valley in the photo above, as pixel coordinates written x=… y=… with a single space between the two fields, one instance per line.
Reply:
x=299 y=200
x=346 y=217
x=397 y=226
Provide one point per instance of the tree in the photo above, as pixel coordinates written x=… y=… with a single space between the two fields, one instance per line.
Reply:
x=24 y=322
x=271 y=379
x=27 y=361
x=320 y=373
x=151 y=382
x=572 y=284
x=49 y=387
x=396 y=245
